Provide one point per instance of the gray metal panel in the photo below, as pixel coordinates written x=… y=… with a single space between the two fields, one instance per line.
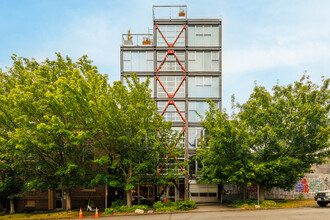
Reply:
x=204 y=99
x=220 y=66
x=137 y=48
x=121 y=61
x=194 y=48
x=139 y=73
x=167 y=99
x=204 y=73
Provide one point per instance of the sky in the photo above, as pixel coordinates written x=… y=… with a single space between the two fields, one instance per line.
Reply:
x=263 y=41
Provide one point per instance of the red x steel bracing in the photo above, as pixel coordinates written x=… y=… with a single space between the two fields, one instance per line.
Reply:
x=171 y=102
x=171 y=148
x=170 y=45
x=177 y=89
x=177 y=59
x=170 y=51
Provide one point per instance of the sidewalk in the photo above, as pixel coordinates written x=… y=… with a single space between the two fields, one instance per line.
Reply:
x=213 y=207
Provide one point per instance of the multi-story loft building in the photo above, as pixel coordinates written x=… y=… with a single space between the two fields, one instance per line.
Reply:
x=182 y=58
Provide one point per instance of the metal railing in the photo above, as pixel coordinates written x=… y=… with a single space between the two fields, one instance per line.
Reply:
x=169 y=12
x=137 y=40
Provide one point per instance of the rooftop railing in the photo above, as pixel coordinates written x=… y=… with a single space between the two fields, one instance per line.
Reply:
x=169 y=12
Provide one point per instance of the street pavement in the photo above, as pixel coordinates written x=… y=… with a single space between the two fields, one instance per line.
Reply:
x=217 y=212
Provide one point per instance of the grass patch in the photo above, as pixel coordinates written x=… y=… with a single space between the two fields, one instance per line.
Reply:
x=250 y=204
x=298 y=204
x=124 y=208
x=45 y=215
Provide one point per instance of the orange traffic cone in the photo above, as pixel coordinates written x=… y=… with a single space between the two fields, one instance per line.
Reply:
x=80 y=214
x=97 y=213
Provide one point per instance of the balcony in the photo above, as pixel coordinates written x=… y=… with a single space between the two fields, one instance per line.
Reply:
x=137 y=40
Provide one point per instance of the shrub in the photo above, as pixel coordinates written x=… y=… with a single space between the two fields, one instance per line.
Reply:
x=269 y=203
x=118 y=203
x=171 y=206
x=157 y=205
x=186 y=205
x=124 y=208
x=240 y=202
x=165 y=206
x=109 y=211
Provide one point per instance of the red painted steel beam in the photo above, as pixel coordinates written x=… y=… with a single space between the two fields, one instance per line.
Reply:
x=184 y=77
x=162 y=35
x=168 y=95
x=184 y=121
x=171 y=45
x=183 y=69
x=165 y=108
x=184 y=26
x=160 y=65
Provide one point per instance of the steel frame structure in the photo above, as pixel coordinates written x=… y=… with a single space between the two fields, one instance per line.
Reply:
x=171 y=96
x=172 y=49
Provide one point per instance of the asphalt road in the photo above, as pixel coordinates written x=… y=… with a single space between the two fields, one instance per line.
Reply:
x=314 y=213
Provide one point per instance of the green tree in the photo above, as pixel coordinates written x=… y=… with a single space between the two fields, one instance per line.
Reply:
x=290 y=131
x=127 y=133
x=273 y=140
x=11 y=158
x=225 y=151
x=52 y=104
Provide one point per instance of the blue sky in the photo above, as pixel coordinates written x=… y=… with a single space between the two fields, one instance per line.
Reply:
x=263 y=40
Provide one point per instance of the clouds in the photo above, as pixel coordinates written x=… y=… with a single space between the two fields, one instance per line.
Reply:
x=262 y=40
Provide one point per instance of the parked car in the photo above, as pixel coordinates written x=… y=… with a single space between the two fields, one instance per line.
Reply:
x=322 y=198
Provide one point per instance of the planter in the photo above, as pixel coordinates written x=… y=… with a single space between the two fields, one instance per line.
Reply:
x=145 y=42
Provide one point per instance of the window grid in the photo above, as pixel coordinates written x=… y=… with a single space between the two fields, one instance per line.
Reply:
x=170 y=33
x=203 y=35
x=170 y=63
x=171 y=114
x=170 y=83
x=203 y=81
x=203 y=60
x=142 y=61
x=194 y=134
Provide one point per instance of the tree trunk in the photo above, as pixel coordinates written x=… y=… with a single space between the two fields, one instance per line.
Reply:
x=261 y=193
x=68 y=199
x=129 y=198
x=12 y=206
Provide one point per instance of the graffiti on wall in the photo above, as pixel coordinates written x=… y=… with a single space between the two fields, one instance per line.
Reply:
x=230 y=189
x=305 y=187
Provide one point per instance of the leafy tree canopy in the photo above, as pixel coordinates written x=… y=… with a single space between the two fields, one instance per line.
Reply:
x=273 y=140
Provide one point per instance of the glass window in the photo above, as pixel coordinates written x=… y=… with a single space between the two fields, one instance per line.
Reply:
x=198 y=107
x=171 y=113
x=171 y=83
x=203 y=35
x=203 y=87
x=135 y=61
x=170 y=32
x=194 y=134
x=143 y=79
x=170 y=63
x=203 y=60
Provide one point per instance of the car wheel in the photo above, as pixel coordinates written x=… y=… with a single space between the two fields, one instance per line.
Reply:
x=322 y=204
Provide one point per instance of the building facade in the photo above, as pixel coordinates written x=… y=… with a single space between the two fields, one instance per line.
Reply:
x=182 y=58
